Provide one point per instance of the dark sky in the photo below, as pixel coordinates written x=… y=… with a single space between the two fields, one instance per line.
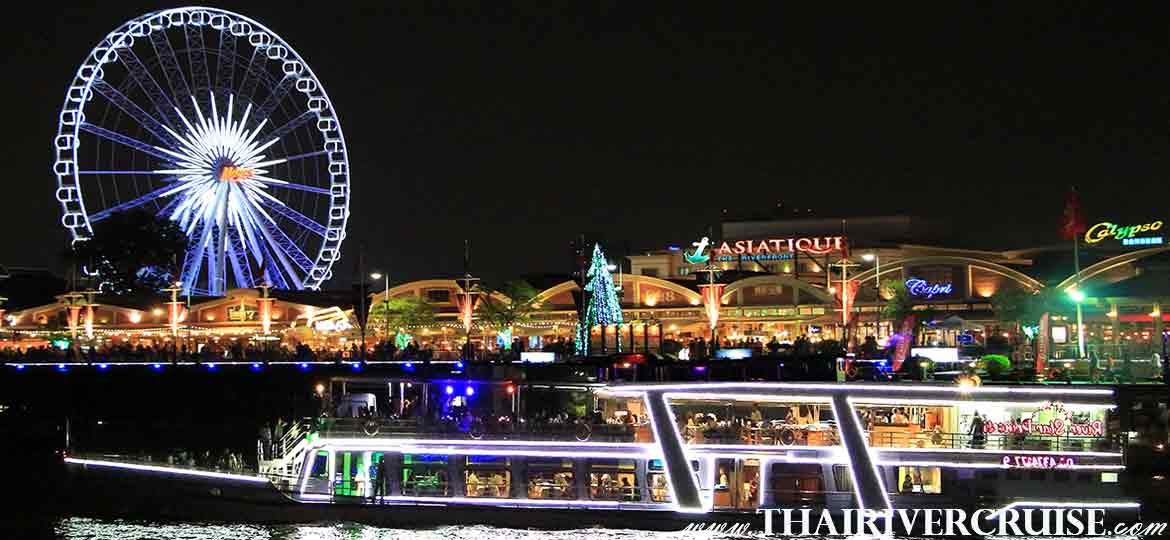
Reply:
x=519 y=126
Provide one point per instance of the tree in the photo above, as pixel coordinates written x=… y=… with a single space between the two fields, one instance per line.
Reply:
x=603 y=307
x=132 y=252
x=521 y=302
x=1020 y=307
x=900 y=305
x=401 y=312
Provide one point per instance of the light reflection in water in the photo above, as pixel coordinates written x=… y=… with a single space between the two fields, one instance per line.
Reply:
x=102 y=529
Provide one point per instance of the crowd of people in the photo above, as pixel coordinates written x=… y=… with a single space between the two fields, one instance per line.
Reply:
x=213 y=351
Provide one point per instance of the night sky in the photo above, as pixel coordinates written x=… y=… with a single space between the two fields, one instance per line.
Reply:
x=518 y=127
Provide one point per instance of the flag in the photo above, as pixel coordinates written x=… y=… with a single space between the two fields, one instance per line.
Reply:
x=1042 y=345
x=904 y=339
x=1073 y=223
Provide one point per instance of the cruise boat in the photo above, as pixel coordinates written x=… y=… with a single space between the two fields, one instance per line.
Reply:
x=655 y=455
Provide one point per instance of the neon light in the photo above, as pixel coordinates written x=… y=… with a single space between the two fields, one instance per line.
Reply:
x=777 y=248
x=494 y=501
x=1055 y=427
x=235 y=174
x=165 y=470
x=1143 y=241
x=658 y=439
x=852 y=387
x=958 y=465
x=697 y=257
x=449 y=390
x=1038 y=462
x=471 y=442
x=865 y=448
x=1104 y=230
x=919 y=287
x=470 y=391
x=985 y=451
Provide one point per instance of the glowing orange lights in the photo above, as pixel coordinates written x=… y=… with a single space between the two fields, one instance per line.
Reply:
x=235 y=174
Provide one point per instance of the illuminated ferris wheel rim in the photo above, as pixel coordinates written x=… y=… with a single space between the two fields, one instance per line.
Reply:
x=72 y=117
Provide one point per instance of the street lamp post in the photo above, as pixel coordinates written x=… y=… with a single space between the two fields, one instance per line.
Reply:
x=1078 y=297
x=386 y=301
x=877 y=283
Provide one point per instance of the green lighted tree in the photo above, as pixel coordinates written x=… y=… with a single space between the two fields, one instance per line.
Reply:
x=603 y=306
x=401 y=312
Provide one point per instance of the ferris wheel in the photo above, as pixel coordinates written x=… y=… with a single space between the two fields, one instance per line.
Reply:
x=208 y=118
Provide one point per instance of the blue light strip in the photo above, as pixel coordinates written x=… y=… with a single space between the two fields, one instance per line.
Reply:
x=1144 y=241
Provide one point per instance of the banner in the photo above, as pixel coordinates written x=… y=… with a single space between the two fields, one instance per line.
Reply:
x=905 y=338
x=848 y=319
x=712 y=300
x=1042 y=345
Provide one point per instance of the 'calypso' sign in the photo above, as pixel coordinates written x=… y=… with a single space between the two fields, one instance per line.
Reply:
x=1104 y=230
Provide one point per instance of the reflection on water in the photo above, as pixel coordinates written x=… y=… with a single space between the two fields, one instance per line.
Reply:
x=99 y=529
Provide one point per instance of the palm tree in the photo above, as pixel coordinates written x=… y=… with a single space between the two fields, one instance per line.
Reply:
x=519 y=301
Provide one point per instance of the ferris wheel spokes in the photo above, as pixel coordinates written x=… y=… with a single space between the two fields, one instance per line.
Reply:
x=168 y=132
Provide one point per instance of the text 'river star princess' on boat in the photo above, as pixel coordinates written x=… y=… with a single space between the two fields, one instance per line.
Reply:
x=690 y=451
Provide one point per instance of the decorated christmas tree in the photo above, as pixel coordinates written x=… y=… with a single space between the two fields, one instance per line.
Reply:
x=603 y=307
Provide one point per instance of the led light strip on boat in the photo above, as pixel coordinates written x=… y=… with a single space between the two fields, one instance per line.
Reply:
x=165 y=470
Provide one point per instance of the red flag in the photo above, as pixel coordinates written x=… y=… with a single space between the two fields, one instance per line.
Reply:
x=904 y=337
x=1073 y=223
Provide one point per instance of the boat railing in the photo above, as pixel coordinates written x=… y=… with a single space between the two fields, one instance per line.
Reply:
x=768 y=435
x=995 y=441
x=479 y=429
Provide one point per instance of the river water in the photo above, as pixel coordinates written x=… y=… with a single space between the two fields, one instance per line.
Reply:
x=100 y=529
x=103 y=529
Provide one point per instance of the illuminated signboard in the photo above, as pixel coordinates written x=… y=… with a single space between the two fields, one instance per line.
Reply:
x=697 y=256
x=1062 y=423
x=777 y=249
x=1038 y=462
x=919 y=287
x=1128 y=235
x=235 y=174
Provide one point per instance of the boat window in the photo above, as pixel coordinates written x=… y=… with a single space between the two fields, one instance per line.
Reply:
x=770 y=424
x=843 y=478
x=1061 y=476
x=320 y=470
x=659 y=487
x=351 y=475
x=797 y=484
x=1037 y=476
x=424 y=475
x=551 y=479
x=487 y=476
x=919 y=480
x=614 y=480
x=899 y=426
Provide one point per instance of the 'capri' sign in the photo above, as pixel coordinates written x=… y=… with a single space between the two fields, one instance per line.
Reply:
x=919 y=287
